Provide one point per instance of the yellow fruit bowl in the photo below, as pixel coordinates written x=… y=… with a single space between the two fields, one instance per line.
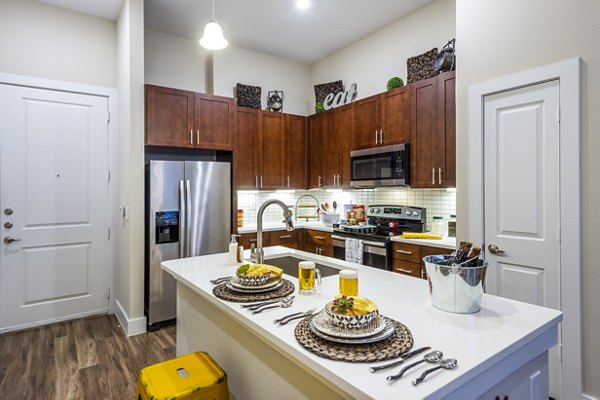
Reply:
x=358 y=320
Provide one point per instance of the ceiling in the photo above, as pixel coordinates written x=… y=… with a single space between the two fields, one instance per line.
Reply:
x=274 y=27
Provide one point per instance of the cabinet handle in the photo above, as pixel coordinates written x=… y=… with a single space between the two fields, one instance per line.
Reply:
x=285 y=237
x=198 y=136
x=319 y=237
x=256 y=181
x=404 y=271
x=288 y=181
x=433 y=176
x=376 y=137
x=381 y=136
x=404 y=252
x=440 y=175
x=316 y=249
x=319 y=180
x=261 y=181
x=252 y=240
x=191 y=136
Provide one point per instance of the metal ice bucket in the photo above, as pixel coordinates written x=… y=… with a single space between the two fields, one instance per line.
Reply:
x=454 y=288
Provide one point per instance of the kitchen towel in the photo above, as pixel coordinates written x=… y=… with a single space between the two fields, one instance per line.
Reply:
x=354 y=251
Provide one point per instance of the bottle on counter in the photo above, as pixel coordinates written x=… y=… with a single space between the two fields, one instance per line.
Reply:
x=233 y=249
x=439 y=226
x=452 y=226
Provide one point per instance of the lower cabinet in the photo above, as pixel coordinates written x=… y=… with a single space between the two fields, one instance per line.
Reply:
x=407 y=258
x=248 y=239
x=272 y=238
x=317 y=242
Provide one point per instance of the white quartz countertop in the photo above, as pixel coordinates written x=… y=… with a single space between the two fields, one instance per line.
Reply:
x=276 y=226
x=444 y=243
x=479 y=341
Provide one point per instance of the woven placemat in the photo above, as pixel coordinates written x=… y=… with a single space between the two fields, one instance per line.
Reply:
x=224 y=293
x=400 y=342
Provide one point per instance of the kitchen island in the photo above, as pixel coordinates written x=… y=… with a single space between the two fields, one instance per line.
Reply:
x=502 y=350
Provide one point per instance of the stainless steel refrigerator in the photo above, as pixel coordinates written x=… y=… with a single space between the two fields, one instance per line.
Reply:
x=188 y=213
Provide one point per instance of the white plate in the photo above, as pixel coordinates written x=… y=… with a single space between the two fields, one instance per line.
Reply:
x=323 y=323
x=388 y=330
x=237 y=287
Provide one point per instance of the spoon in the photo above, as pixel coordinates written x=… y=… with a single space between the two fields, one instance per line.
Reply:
x=448 y=363
x=432 y=357
x=285 y=303
x=254 y=306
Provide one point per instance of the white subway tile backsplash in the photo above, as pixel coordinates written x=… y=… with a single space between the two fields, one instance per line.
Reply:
x=437 y=201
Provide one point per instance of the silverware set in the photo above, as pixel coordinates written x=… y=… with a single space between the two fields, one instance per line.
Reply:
x=433 y=357
x=289 y=318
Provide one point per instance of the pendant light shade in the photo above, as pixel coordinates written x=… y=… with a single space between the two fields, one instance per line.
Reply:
x=213 y=38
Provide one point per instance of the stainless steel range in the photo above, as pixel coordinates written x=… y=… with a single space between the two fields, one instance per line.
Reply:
x=383 y=223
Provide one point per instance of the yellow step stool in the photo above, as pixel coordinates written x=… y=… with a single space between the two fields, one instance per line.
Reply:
x=195 y=376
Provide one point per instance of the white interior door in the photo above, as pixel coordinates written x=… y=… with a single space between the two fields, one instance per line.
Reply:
x=54 y=262
x=521 y=199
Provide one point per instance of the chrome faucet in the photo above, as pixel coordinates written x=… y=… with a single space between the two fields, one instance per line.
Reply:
x=297 y=201
x=257 y=254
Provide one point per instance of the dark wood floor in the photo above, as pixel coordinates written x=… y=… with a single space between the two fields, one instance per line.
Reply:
x=88 y=358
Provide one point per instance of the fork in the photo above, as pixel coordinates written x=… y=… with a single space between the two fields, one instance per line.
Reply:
x=254 y=306
x=282 y=304
x=289 y=318
x=221 y=280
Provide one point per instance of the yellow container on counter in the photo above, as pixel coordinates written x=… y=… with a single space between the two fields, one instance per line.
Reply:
x=195 y=376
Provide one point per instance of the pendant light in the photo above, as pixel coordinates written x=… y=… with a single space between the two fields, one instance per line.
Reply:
x=213 y=34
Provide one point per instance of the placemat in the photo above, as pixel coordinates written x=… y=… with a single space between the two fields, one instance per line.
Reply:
x=224 y=293
x=400 y=342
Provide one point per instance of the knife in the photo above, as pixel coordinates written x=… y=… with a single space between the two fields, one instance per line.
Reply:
x=403 y=358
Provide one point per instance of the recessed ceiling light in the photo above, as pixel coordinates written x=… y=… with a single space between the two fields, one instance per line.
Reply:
x=303 y=4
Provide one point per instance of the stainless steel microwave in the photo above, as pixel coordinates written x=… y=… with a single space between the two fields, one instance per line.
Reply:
x=380 y=166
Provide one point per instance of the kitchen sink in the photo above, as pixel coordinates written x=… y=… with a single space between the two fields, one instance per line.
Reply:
x=289 y=265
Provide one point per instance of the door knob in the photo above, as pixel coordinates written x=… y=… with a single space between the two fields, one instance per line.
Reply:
x=10 y=239
x=494 y=249
x=8 y=211
x=8 y=224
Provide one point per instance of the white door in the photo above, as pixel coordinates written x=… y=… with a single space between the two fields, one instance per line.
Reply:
x=54 y=261
x=521 y=199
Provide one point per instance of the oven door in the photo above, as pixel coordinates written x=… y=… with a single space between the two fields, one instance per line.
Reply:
x=375 y=254
x=380 y=166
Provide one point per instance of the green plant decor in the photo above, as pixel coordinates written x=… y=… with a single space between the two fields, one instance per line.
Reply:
x=319 y=107
x=394 y=82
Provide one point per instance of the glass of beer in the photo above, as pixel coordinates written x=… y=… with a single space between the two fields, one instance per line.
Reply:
x=348 y=282
x=309 y=277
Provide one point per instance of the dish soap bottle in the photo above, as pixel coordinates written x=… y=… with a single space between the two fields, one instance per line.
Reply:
x=233 y=249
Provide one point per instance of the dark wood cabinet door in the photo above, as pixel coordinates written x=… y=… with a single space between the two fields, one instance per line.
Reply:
x=345 y=126
x=295 y=130
x=447 y=128
x=272 y=150
x=424 y=134
x=169 y=117
x=368 y=122
x=245 y=156
x=395 y=116
x=214 y=121
x=315 y=123
x=284 y=238
x=330 y=157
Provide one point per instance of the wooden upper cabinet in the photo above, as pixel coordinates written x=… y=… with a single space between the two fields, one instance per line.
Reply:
x=433 y=132
x=180 y=118
x=330 y=153
x=447 y=121
x=295 y=155
x=214 y=118
x=169 y=117
x=272 y=150
x=345 y=127
x=314 y=150
x=395 y=117
x=368 y=122
x=245 y=156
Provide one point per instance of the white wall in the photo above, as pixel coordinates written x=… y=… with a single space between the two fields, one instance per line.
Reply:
x=173 y=61
x=130 y=285
x=500 y=37
x=40 y=40
x=374 y=59
x=236 y=64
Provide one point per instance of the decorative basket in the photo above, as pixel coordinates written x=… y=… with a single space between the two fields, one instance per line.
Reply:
x=350 y=321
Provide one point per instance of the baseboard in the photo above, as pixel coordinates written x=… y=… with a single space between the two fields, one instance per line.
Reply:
x=587 y=397
x=131 y=327
x=21 y=327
